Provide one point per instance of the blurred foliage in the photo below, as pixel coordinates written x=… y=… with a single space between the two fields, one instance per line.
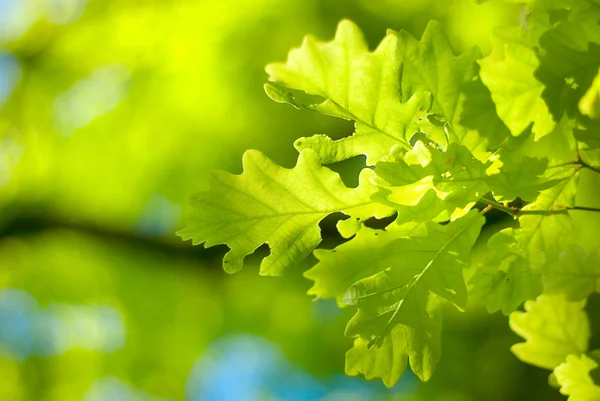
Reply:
x=111 y=113
x=124 y=106
x=171 y=305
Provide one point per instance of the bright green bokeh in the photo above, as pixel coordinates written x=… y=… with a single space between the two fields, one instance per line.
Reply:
x=119 y=112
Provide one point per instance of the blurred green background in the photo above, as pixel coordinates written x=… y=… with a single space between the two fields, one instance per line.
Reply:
x=112 y=112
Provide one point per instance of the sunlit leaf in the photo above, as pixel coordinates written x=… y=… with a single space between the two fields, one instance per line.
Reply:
x=356 y=85
x=431 y=182
x=574 y=379
x=508 y=72
x=576 y=274
x=273 y=205
x=505 y=279
x=398 y=319
x=552 y=328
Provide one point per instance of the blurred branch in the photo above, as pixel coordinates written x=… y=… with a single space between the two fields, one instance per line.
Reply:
x=30 y=224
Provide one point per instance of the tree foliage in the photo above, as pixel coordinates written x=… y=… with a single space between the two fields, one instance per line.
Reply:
x=447 y=138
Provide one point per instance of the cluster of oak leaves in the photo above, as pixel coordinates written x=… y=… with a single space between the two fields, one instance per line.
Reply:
x=441 y=134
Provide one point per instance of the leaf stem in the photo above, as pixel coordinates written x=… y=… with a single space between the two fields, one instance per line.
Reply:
x=491 y=203
x=486 y=209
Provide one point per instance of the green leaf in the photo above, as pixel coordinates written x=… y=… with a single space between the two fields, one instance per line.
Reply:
x=357 y=85
x=277 y=206
x=431 y=181
x=508 y=72
x=430 y=65
x=553 y=328
x=479 y=112
x=415 y=339
x=366 y=254
x=569 y=62
x=574 y=378
x=541 y=237
x=559 y=147
x=589 y=104
x=551 y=5
x=518 y=177
x=398 y=318
x=511 y=272
x=588 y=136
x=279 y=94
x=505 y=280
x=575 y=275
x=386 y=92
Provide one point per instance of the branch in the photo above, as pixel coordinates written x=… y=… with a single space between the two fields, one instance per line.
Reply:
x=585 y=208
x=589 y=167
x=578 y=162
x=491 y=203
x=515 y=211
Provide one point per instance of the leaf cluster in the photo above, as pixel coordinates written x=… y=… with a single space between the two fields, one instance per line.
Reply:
x=446 y=138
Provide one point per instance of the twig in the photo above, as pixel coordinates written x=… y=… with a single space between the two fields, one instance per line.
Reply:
x=585 y=165
x=578 y=162
x=490 y=203
x=515 y=211
x=584 y=208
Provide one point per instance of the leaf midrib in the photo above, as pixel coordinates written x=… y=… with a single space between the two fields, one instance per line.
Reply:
x=274 y=216
x=417 y=279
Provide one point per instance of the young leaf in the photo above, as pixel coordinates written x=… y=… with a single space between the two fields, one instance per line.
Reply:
x=273 y=205
x=508 y=72
x=398 y=318
x=511 y=273
x=574 y=378
x=429 y=65
x=588 y=136
x=365 y=88
x=357 y=85
x=553 y=328
x=576 y=274
x=589 y=104
x=505 y=280
x=543 y=236
x=533 y=5
x=559 y=146
x=434 y=182
x=415 y=339
x=569 y=62
x=478 y=112
x=369 y=252
x=519 y=177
